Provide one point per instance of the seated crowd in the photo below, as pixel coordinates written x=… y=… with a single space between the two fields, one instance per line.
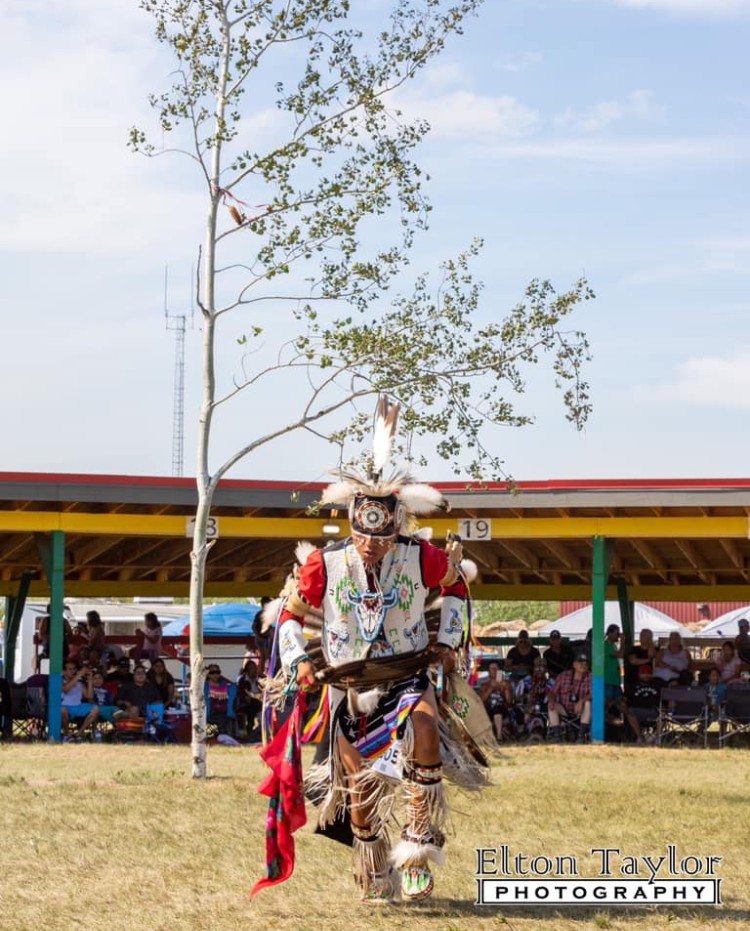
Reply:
x=548 y=695
x=101 y=684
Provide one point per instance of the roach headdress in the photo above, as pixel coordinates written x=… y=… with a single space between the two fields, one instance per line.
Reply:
x=378 y=506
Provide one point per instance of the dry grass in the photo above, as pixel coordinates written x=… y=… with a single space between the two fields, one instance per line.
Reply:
x=102 y=837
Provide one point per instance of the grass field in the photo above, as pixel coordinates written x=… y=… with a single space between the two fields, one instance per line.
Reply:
x=120 y=838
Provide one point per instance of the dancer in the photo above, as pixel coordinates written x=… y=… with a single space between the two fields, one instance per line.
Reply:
x=385 y=721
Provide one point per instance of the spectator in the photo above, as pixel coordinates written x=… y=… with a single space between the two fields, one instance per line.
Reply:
x=571 y=697
x=219 y=697
x=742 y=641
x=583 y=646
x=716 y=692
x=640 y=654
x=729 y=664
x=641 y=704
x=613 y=651
x=77 y=699
x=497 y=696
x=133 y=697
x=42 y=636
x=163 y=680
x=673 y=665
x=249 y=703
x=535 y=701
x=558 y=656
x=101 y=696
x=95 y=631
x=121 y=672
x=110 y=657
x=149 y=638
x=520 y=659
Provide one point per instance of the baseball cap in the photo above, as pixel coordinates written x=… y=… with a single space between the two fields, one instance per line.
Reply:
x=645 y=670
x=554 y=633
x=581 y=657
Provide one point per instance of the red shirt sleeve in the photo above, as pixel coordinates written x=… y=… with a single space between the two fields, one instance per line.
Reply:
x=310 y=584
x=434 y=563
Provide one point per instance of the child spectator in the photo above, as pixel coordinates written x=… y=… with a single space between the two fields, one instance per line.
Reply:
x=716 y=692
x=641 y=705
x=149 y=638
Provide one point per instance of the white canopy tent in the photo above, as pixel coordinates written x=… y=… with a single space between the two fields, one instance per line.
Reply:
x=726 y=624
x=576 y=624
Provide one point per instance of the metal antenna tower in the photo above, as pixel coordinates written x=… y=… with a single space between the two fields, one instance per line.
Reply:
x=178 y=323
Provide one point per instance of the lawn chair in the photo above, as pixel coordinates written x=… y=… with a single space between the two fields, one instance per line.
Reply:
x=155 y=727
x=683 y=717
x=734 y=718
x=29 y=703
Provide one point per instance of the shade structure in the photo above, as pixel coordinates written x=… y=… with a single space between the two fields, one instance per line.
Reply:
x=231 y=620
x=577 y=623
x=726 y=625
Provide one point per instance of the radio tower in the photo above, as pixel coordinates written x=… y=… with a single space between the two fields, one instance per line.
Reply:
x=178 y=323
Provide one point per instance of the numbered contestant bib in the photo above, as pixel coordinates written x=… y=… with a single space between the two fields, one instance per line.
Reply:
x=390 y=763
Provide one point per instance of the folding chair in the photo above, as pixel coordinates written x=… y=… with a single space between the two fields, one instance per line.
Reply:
x=734 y=717
x=682 y=716
x=36 y=706
x=155 y=727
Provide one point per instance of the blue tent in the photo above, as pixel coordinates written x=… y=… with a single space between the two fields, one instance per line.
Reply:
x=232 y=620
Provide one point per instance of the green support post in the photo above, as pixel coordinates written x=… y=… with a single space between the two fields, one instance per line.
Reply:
x=56 y=584
x=600 y=575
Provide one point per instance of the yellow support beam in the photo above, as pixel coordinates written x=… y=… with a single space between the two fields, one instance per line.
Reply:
x=293 y=528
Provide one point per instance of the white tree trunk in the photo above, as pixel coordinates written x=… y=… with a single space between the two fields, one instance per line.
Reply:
x=197 y=659
x=205 y=484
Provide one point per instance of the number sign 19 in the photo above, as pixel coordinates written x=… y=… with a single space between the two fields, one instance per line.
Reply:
x=475 y=529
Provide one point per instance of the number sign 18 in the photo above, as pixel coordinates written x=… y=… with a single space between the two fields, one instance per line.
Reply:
x=212 y=527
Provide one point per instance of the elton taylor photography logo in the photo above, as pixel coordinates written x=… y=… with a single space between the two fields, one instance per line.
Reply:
x=607 y=876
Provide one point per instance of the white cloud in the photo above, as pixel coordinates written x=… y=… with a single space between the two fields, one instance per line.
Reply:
x=708 y=7
x=468 y=116
x=637 y=105
x=706 y=381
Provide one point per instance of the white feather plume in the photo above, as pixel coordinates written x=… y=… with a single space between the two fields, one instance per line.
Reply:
x=386 y=419
x=422 y=499
x=303 y=550
x=269 y=614
x=339 y=493
x=424 y=533
x=469 y=569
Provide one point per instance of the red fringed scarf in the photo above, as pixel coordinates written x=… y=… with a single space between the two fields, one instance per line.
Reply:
x=286 y=807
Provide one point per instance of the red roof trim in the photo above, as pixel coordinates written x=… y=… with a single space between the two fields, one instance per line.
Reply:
x=636 y=484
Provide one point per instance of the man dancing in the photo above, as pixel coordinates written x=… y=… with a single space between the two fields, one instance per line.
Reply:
x=371 y=589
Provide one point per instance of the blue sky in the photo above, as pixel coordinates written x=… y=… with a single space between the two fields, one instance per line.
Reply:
x=605 y=137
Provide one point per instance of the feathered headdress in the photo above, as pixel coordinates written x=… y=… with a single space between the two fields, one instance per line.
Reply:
x=382 y=506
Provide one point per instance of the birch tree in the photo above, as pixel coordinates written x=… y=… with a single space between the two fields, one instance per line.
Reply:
x=316 y=221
